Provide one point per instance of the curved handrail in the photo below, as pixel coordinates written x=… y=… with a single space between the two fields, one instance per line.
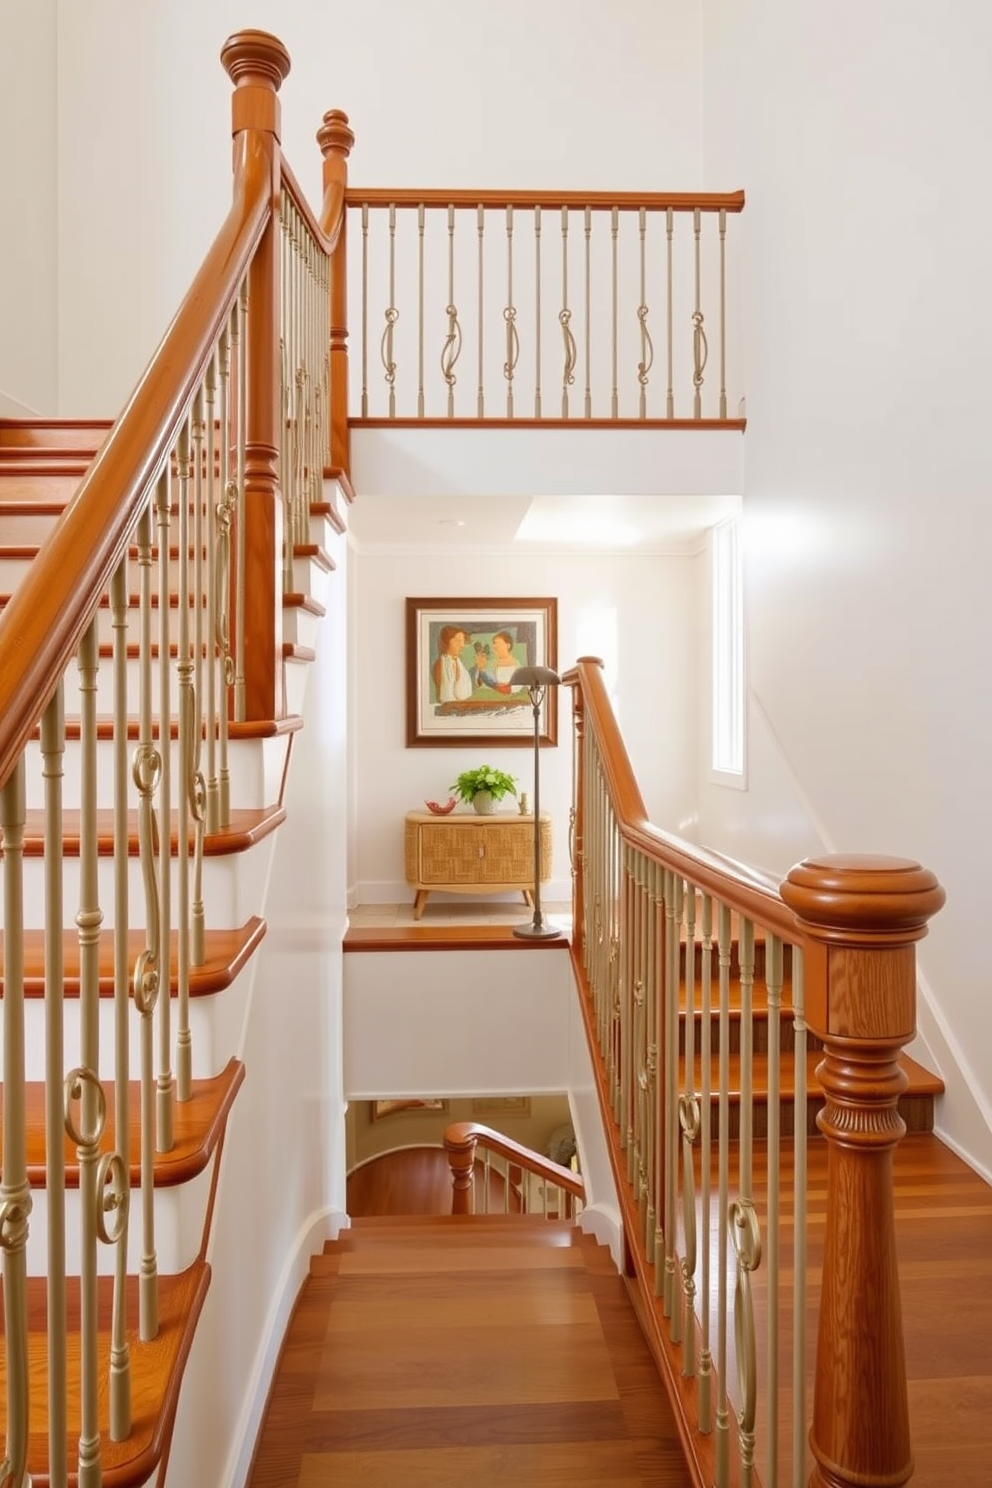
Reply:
x=462 y=1137
x=624 y=201
x=747 y=890
x=46 y=616
x=324 y=239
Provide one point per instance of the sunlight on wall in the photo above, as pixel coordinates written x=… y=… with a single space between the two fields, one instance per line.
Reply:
x=597 y=634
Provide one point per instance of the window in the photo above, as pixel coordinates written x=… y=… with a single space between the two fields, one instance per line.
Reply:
x=727 y=588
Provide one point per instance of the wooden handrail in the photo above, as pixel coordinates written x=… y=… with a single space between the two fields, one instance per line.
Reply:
x=624 y=201
x=289 y=183
x=42 y=625
x=460 y=1141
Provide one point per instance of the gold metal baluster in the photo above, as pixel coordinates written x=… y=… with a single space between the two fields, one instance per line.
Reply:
x=630 y=989
x=799 y=1422
x=365 y=310
x=673 y=916
x=240 y=533
x=290 y=431
x=184 y=670
x=223 y=516
x=392 y=316
x=89 y=919
x=452 y=348
x=653 y=995
x=773 y=986
x=669 y=323
x=565 y=320
x=537 y=312
x=588 y=231
x=15 y=1194
x=689 y=1122
x=481 y=226
x=647 y=349
x=163 y=1109
x=421 y=215
x=723 y=313
x=723 y=1403
x=120 y=1366
x=510 y=317
x=210 y=594
x=197 y=791
x=700 y=349
x=52 y=769
x=614 y=398
x=705 y=1096
x=286 y=473
x=743 y=1220
x=146 y=770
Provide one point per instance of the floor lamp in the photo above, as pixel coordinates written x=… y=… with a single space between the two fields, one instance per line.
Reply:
x=537 y=680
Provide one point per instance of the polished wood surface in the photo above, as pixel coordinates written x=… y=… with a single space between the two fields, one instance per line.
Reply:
x=443 y=937
x=336 y=142
x=461 y=1142
x=624 y=201
x=384 y=422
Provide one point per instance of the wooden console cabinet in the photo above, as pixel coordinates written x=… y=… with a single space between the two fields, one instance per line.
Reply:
x=466 y=853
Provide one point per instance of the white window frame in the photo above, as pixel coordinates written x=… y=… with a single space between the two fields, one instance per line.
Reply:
x=728 y=754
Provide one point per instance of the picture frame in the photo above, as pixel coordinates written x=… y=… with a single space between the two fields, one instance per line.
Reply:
x=457 y=690
x=383 y=1108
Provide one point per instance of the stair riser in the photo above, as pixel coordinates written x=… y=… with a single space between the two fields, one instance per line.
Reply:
x=916 y=1111
x=759 y=1035
x=233 y=887
x=256 y=767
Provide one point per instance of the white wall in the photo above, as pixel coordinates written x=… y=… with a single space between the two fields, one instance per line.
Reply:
x=28 y=207
x=860 y=132
x=567 y=94
x=649 y=597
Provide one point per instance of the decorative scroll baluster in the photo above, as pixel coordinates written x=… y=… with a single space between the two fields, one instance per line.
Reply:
x=723 y=313
x=147 y=770
x=705 y=1096
x=631 y=992
x=723 y=1181
x=84 y=1084
x=700 y=349
x=673 y=915
x=421 y=213
x=163 y=1110
x=670 y=323
x=52 y=768
x=537 y=312
x=510 y=318
x=743 y=1220
x=365 y=310
x=773 y=986
x=197 y=792
x=689 y=1122
x=15 y=1194
x=614 y=321
x=287 y=467
x=647 y=349
x=799 y=1425
x=452 y=348
x=184 y=669
x=120 y=1368
x=653 y=1001
x=565 y=320
x=210 y=588
x=481 y=228
x=223 y=517
x=392 y=316
x=588 y=230
x=240 y=348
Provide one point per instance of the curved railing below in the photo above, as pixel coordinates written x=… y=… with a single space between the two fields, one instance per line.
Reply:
x=524 y=1172
x=685 y=961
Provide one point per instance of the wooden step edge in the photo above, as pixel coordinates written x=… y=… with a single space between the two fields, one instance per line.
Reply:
x=227 y=952
x=920 y=1081
x=315 y=554
x=293 y=652
x=198 y=1125
x=157 y=1369
x=20 y=506
x=19 y=461
x=248 y=827
x=335 y=473
x=328 y=510
x=295 y=600
x=446 y=938
x=254 y=728
x=47 y=433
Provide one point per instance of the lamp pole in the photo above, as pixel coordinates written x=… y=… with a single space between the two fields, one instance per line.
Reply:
x=537 y=680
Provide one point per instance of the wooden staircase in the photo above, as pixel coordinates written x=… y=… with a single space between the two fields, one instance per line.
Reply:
x=41 y=464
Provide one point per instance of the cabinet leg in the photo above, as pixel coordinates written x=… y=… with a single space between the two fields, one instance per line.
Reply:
x=421 y=900
x=528 y=898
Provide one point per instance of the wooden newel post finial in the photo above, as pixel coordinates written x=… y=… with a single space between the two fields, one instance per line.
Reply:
x=459 y=1143
x=861 y=917
x=336 y=141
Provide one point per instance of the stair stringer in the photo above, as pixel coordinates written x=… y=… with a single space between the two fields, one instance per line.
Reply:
x=281 y=1190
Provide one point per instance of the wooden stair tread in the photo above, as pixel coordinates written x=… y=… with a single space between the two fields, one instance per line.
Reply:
x=256 y=728
x=198 y=1125
x=226 y=953
x=295 y=600
x=248 y=826
x=921 y=1081
x=156 y=1369
x=329 y=511
x=39 y=434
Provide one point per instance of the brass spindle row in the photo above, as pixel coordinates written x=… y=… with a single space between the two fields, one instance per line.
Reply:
x=687 y=286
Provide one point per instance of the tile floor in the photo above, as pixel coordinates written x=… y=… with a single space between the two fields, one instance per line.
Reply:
x=448 y=911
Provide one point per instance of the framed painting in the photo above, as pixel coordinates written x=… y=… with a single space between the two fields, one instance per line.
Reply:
x=381 y=1108
x=460 y=656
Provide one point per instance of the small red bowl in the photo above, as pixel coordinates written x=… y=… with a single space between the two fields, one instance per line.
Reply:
x=438 y=809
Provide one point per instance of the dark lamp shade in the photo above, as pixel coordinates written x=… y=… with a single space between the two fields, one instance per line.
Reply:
x=534 y=676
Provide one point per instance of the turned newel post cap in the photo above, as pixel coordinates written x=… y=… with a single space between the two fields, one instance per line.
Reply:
x=335 y=135
x=255 y=58
x=852 y=899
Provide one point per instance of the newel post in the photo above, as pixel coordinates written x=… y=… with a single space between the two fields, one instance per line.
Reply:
x=459 y=1143
x=336 y=141
x=861 y=917
x=257 y=63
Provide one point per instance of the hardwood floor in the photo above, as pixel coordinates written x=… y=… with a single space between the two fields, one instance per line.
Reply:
x=432 y=1352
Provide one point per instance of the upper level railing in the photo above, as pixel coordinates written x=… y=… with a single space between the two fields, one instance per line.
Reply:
x=527 y=1182
x=677 y=950
x=170 y=564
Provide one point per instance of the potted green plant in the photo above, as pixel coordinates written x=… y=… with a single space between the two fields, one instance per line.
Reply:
x=483 y=787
